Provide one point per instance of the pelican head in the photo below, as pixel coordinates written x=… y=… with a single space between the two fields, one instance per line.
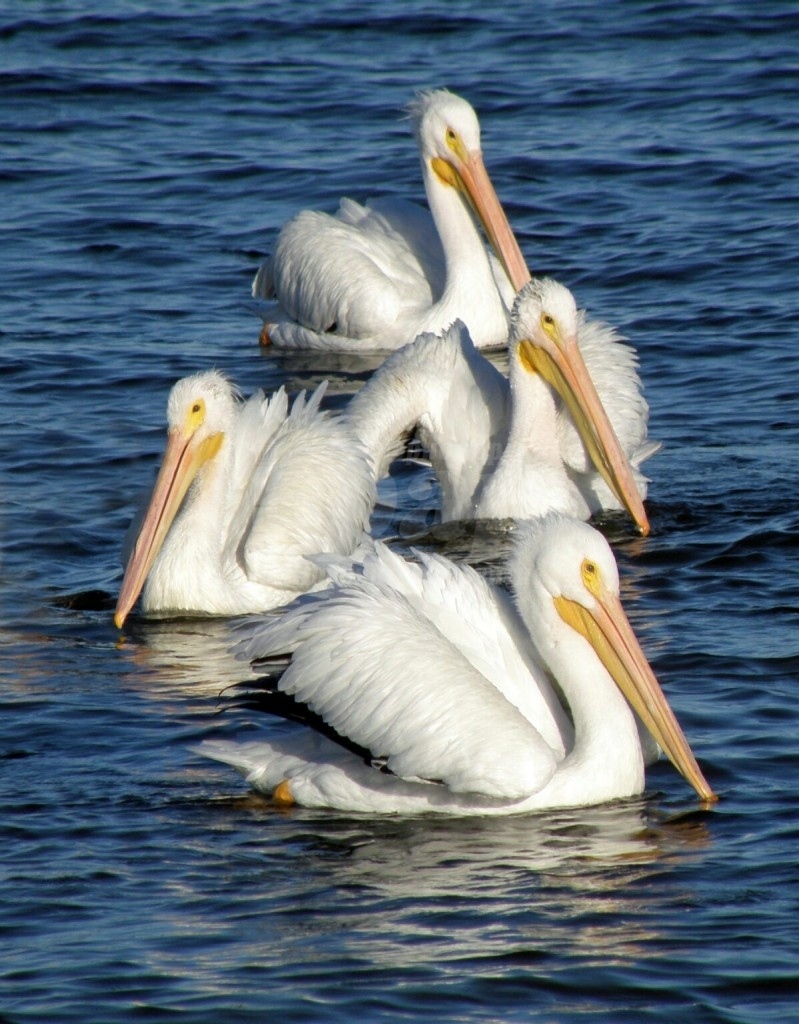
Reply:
x=199 y=412
x=544 y=338
x=448 y=134
x=573 y=565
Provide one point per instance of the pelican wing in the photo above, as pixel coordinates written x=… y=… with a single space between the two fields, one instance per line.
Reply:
x=312 y=489
x=370 y=661
x=260 y=419
x=481 y=621
x=384 y=273
x=404 y=232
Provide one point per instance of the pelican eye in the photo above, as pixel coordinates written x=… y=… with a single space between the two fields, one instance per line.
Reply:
x=196 y=414
x=453 y=141
x=549 y=325
x=590 y=574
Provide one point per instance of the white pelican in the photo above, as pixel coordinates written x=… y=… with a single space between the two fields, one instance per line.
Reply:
x=432 y=674
x=503 y=448
x=373 y=277
x=245 y=491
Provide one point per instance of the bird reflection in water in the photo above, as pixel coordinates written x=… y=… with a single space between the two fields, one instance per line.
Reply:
x=503 y=894
x=171 y=658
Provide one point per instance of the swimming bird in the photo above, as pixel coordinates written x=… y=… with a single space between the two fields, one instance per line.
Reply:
x=431 y=690
x=245 y=491
x=373 y=277
x=567 y=430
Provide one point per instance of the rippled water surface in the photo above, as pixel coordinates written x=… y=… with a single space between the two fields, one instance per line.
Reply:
x=646 y=153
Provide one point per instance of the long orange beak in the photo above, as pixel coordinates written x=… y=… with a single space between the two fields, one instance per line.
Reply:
x=182 y=459
x=466 y=171
x=608 y=630
x=557 y=358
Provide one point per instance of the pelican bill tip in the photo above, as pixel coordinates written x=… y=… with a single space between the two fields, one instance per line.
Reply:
x=709 y=797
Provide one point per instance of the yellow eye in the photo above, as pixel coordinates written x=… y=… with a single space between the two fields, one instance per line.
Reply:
x=453 y=141
x=196 y=414
x=590 y=572
x=547 y=320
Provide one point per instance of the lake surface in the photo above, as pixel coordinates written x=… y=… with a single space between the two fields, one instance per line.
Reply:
x=647 y=154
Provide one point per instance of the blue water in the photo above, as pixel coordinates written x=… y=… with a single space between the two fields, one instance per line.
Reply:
x=646 y=153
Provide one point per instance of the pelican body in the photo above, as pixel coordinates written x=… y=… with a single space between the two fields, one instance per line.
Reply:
x=567 y=431
x=438 y=687
x=373 y=277
x=245 y=491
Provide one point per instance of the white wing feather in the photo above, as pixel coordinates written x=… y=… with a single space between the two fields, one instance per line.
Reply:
x=419 y=664
x=308 y=454
x=481 y=621
x=386 y=268
x=384 y=676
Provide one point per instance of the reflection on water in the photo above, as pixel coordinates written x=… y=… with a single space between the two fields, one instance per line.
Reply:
x=563 y=842
x=589 y=885
x=168 y=657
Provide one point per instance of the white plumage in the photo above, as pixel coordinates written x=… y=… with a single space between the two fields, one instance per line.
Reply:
x=245 y=492
x=568 y=431
x=373 y=277
x=434 y=671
